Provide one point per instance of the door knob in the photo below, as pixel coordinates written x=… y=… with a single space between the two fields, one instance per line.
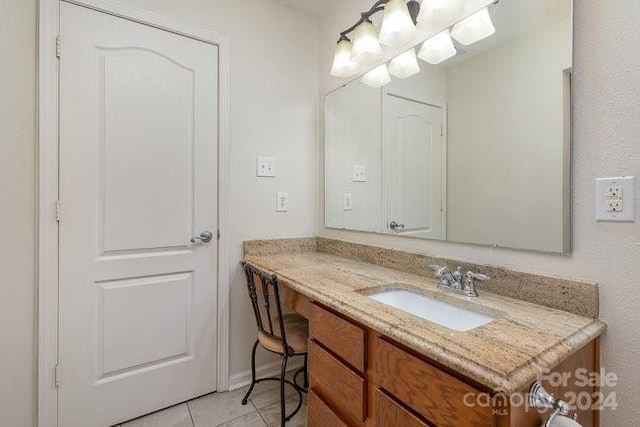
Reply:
x=394 y=225
x=204 y=237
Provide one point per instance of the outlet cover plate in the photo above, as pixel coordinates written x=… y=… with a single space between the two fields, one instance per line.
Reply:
x=616 y=199
x=282 y=202
x=348 y=202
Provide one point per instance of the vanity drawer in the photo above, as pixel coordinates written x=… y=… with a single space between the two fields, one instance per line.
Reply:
x=319 y=414
x=391 y=414
x=432 y=393
x=339 y=335
x=341 y=388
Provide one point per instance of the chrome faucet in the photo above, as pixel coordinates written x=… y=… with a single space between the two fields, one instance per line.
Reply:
x=452 y=281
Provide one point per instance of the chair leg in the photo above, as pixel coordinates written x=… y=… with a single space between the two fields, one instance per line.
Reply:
x=306 y=373
x=283 y=372
x=253 y=373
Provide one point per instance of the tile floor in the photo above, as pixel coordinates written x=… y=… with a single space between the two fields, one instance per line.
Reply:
x=226 y=409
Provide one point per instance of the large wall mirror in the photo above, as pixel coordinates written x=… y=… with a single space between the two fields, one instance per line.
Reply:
x=475 y=149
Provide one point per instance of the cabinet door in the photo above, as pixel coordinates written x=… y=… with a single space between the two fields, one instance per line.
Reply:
x=430 y=392
x=391 y=414
x=341 y=388
x=342 y=337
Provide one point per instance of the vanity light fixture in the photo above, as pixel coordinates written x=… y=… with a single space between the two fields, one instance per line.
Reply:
x=377 y=77
x=404 y=65
x=437 y=12
x=343 y=66
x=438 y=48
x=397 y=26
x=366 y=42
x=474 y=28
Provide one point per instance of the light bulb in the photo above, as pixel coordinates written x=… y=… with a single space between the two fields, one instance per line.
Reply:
x=343 y=66
x=474 y=28
x=438 y=48
x=365 y=43
x=436 y=13
x=404 y=65
x=377 y=77
x=397 y=25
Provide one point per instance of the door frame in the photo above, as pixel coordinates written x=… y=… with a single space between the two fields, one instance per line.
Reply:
x=48 y=171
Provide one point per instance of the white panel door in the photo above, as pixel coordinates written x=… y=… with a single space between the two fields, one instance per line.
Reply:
x=138 y=179
x=414 y=168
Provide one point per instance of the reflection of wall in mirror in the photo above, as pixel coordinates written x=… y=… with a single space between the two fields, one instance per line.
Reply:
x=352 y=134
x=505 y=142
x=353 y=126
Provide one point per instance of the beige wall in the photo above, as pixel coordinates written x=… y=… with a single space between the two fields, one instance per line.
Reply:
x=274 y=112
x=353 y=123
x=606 y=142
x=17 y=211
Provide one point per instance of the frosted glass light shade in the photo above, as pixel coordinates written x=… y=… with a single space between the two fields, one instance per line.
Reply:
x=439 y=12
x=474 y=28
x=343 y=66
x=397 y=25
x=404 y=65
x=438 y=48
x=377 y=77
x=365 y=43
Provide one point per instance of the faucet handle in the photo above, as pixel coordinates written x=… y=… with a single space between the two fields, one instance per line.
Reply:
x=476 y=276
x=440 y=270
x=469 y=283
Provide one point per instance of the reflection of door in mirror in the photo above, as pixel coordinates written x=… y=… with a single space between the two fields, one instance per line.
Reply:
x=414 y=168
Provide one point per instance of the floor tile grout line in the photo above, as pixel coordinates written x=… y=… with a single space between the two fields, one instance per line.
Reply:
x=262 y=418
x=193 y=422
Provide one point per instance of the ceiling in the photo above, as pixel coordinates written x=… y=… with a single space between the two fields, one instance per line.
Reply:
x=315 y=8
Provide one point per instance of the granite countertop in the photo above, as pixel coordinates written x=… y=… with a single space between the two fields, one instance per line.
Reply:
x=505 y=355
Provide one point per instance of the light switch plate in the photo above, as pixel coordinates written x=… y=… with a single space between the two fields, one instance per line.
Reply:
x=266 y=167
x=282 y=203
x=359 y=173
x=616 y=199
x=348 y=202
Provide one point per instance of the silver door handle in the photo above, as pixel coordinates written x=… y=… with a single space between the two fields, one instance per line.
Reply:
x=394 y=225
x=205 y=237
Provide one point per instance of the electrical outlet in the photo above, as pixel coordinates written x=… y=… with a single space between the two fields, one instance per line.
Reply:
x=615 y=206
x=614 y=199
x=282 y=202
x=610 y=199
x=614 y=192
x=348 y=202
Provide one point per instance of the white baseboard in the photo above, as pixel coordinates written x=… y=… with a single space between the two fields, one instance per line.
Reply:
x=243 y=378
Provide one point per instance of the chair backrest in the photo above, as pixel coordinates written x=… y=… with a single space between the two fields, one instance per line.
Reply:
x=262 y=287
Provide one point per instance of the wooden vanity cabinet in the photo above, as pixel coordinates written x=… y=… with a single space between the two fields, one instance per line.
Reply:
x=320 y=414
x=359 y=378
x=430 y=392
x=388 y=412
x=337 y=366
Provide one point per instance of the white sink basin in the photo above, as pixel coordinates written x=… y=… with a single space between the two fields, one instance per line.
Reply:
x=440 y=312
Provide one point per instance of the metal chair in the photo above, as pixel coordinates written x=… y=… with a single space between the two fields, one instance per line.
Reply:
x=285 y=335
